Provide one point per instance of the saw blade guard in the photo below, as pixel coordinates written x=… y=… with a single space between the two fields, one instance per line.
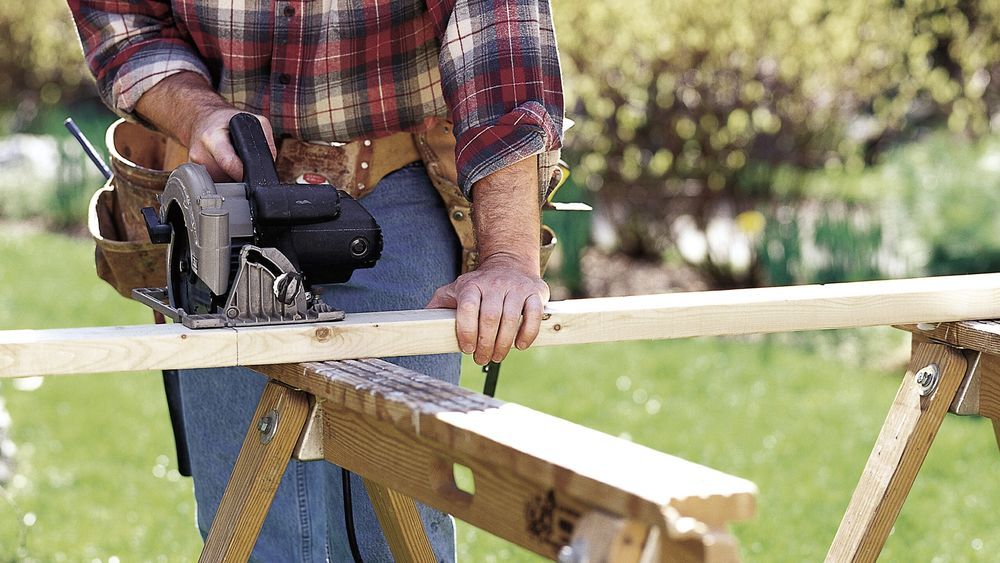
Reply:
x=213 y=215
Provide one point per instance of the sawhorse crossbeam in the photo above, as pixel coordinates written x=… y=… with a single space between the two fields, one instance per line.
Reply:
x=556 y=488
x=954 y=367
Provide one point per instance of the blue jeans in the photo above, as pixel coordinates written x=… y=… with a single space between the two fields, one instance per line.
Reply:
x=306 y=521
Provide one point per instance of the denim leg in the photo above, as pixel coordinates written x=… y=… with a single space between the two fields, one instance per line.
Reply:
x=421 y=253
x=306 y=521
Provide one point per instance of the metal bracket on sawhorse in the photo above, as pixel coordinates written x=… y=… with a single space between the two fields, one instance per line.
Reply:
x=277 y=424
x=954 y=367
x=289 y=425
x=558 y=489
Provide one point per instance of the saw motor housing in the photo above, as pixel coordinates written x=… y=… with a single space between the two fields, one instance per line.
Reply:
x=250 y=253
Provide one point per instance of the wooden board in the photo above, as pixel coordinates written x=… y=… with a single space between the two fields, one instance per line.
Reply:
x=118 y=348
x=535 y=475
x=401 y=524
x=402 y=333
x=256 y=476
x=902 y=445
x=982 y=336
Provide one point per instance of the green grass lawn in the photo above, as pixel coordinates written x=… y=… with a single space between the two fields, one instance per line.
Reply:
x=797 y=415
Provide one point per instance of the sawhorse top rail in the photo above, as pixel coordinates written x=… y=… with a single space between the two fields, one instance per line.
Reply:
x=541 y=482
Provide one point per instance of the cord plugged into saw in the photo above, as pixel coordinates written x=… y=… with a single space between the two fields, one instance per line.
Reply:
x=249 y=253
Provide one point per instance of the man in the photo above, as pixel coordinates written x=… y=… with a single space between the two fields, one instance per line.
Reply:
x=354 y=71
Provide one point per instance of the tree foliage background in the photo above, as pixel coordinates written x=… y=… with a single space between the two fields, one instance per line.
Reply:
x=739 y=127
x=697 y=109
x=42 y=63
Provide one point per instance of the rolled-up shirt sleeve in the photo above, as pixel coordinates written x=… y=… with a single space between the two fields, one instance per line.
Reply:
x=130 y=46
x=501 y=80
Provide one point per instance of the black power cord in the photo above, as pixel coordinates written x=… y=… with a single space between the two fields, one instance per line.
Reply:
x=352 y=535
x=492 y=371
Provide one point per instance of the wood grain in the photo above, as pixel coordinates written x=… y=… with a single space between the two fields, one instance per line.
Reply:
x=989 y=392
x=745 y=311
x=256 y=476
x=401 y=524
x=602 y=537
x=983 y=397
x=989 y=388
x=982 y=336
x=535 y=475
x=902 y=445
x=118 y=348
x=651 y=317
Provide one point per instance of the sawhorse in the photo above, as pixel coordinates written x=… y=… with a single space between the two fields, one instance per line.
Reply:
x=954 y=367
x=556 y=488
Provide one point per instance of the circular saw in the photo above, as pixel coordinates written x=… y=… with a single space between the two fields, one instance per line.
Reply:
x=249 y=253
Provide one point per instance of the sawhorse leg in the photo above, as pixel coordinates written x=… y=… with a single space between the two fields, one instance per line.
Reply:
x=401 y=524
x=283 y=426
x=921 y=403
x=274 y=430
x=983 y=396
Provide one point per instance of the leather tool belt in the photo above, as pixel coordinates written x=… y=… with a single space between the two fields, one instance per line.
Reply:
x=142 y=160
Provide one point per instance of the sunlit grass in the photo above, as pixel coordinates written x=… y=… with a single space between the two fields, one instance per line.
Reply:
x=97 y=474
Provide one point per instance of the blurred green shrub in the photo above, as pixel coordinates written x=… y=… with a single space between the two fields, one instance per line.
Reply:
x=929 y=207
x=686 y=107
x=42 y=63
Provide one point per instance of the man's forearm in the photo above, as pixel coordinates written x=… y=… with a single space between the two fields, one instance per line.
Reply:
x=185 y=107
x=177 y=103
x=500 y=303
x=507 y=217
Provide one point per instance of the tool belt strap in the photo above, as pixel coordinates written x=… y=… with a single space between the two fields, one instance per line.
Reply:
x=437 y=148
x=355 y=167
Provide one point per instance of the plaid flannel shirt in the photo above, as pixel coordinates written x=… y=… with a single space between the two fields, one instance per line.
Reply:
x=340 y=70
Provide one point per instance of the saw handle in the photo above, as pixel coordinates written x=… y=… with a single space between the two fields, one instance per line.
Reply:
x=251 y=146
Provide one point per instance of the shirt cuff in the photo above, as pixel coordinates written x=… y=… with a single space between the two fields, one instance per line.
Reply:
x=143 y=65
x=526 y=131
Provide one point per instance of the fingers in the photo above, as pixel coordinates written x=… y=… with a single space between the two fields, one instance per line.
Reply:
x=225 y=156
x=532 y=322
x=512 y=306
x=213 y=150
x=211 y=147
x=491 y=311
x=467 y=318
x=269 y=134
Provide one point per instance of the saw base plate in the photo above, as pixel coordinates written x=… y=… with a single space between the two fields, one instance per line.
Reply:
x=156 y=298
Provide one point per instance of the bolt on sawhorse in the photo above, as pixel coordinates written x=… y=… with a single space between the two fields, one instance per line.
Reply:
x=556 y=488
x=954 y=367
